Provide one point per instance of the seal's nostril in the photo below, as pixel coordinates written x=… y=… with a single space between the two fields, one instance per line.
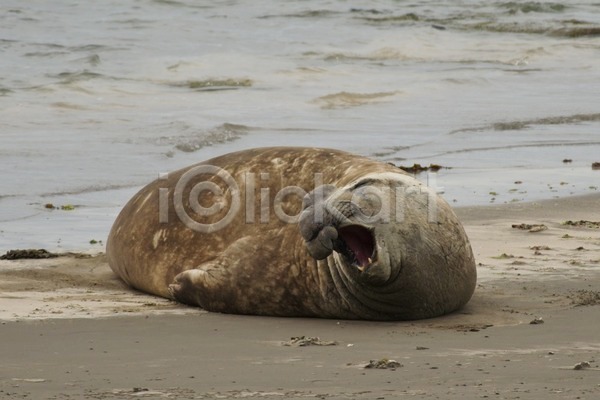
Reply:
x=329 y=233
x=309 y=228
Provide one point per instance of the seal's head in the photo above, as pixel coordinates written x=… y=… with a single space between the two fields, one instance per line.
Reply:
x=392 y=245
x=355 y=224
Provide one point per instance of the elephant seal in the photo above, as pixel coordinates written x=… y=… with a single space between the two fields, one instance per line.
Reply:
x=297 y=232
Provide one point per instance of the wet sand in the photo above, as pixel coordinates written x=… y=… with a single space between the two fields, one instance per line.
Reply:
x=71 y=330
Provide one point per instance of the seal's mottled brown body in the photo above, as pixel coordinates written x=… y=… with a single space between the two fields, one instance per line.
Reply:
x=416 y=264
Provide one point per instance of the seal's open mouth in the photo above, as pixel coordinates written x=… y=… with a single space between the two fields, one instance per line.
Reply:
x=358 y=245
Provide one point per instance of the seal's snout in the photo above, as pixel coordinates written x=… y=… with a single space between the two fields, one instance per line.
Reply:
x=322 y=245
x=316 y=224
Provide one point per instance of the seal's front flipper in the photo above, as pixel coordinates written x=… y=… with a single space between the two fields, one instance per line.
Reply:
x=185 y=287
x=251 y=279
x=240 y=280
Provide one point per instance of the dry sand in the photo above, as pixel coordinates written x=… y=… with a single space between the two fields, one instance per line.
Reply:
x=71 y=330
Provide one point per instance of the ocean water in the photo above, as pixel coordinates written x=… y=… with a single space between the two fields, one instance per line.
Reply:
x=98 y=98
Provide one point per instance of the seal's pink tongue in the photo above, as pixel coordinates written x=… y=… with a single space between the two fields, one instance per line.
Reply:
x=360 y=241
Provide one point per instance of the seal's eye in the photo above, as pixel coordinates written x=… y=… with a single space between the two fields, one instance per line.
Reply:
x=359 y=245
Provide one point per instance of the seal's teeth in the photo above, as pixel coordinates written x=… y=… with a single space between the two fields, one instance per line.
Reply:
x=370 y=260
x=361 y=268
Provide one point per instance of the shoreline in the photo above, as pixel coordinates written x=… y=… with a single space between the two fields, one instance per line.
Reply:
x=70 y=222
x=95 y=245
x=579 y=205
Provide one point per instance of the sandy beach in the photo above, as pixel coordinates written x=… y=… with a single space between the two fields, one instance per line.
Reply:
x=71 y=330
x=97 y=99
